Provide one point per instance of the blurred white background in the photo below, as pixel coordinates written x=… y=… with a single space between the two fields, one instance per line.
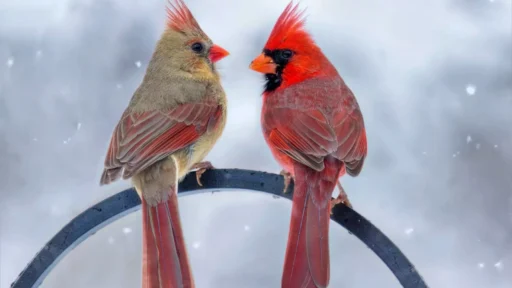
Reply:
x=434 y=82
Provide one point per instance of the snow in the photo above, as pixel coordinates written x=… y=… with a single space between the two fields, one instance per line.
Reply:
x=247 y=228
x=119 y=86
x=470 y=89
x=498 y=265
x=78 y=126
x=110 y=240
x=468 y=139
x=138 y=64
x=409 y=231
x=10 y=62
x=477 y=146
x=127 y=230
x=196 y=244
x=481 y=265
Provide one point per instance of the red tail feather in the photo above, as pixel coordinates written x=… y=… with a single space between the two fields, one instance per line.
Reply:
x=164 y=260
x=307 y=253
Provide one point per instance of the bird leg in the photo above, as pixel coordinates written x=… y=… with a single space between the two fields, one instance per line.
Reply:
x=201 y=168
x=342 y=198
x=287 y=179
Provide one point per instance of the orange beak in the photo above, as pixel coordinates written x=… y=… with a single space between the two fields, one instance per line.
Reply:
x=263 y=64
x=217 y=53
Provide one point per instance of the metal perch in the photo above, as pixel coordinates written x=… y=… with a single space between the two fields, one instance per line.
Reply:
x=127 y=201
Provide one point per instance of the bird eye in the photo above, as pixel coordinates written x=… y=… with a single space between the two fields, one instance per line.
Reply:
x=286 y=54
x=197 y=47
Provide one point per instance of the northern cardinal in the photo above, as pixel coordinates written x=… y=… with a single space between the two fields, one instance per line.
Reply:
x=313 y=125
x=172 y=121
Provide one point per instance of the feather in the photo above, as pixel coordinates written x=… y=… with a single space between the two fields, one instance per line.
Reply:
x=180 y=18
x=142 y=139
x=289 y=25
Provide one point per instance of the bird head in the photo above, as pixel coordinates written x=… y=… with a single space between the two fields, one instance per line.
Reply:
x=290 y=55
x=185 y=46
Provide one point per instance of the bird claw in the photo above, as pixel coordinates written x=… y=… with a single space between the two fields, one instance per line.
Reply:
x=287 y=179
x=342 y=198
x=201 y=168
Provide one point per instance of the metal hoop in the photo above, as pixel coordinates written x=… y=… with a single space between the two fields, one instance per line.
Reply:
x=127 y=201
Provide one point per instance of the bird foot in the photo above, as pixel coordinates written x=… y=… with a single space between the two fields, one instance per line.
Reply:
x=342 y=198
x=287 y=179
x=201 y=168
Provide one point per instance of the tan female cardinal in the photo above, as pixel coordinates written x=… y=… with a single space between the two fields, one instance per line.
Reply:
x=173 y=120
x=315 y=130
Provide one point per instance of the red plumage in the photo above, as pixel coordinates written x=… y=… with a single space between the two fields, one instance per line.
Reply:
x=164 y=249
x=315 y=130
x=179 y=16
x=142 y=139
x=289 y=25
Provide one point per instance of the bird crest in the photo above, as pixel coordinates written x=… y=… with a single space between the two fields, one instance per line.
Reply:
x=289 y=26
x=179 y=17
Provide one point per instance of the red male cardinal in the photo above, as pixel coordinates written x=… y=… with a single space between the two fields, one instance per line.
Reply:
x=172 y=122
x=315 y=130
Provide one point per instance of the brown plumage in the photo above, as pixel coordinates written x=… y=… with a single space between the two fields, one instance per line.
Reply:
x=171 y=123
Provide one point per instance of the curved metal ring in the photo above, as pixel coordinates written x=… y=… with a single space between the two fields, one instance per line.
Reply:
x=127 y=201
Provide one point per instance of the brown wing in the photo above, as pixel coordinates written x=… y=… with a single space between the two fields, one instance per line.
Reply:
x=141 y=139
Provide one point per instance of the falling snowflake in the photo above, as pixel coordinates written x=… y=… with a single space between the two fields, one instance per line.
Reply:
x=409 y=231
x=470 y=89
x=424 y=153
x=468 y=139
x=138 y=64
x=499 y=265
x=78 y=126
x=481 y=265
x=127 y=230
x=196 y=245
x=247 y=228
x=495 y=145
x=119 y=86
x=477 y=146
x=111 y=240
x=39 y=53
x=35 y=139
x=10 y=62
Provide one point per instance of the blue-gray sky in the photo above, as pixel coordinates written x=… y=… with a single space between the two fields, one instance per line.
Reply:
x=434 y=82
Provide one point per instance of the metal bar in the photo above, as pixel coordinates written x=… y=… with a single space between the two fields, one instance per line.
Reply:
x=127 y=201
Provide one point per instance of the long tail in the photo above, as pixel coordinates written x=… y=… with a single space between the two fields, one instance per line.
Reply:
x=164 y=260
x=306 y=262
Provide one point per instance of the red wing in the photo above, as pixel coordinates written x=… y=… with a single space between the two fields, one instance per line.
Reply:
x=141 y=139
x=352 y=144
x=309 y=136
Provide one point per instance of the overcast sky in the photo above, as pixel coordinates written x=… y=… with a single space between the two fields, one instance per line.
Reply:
x=433 y=81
